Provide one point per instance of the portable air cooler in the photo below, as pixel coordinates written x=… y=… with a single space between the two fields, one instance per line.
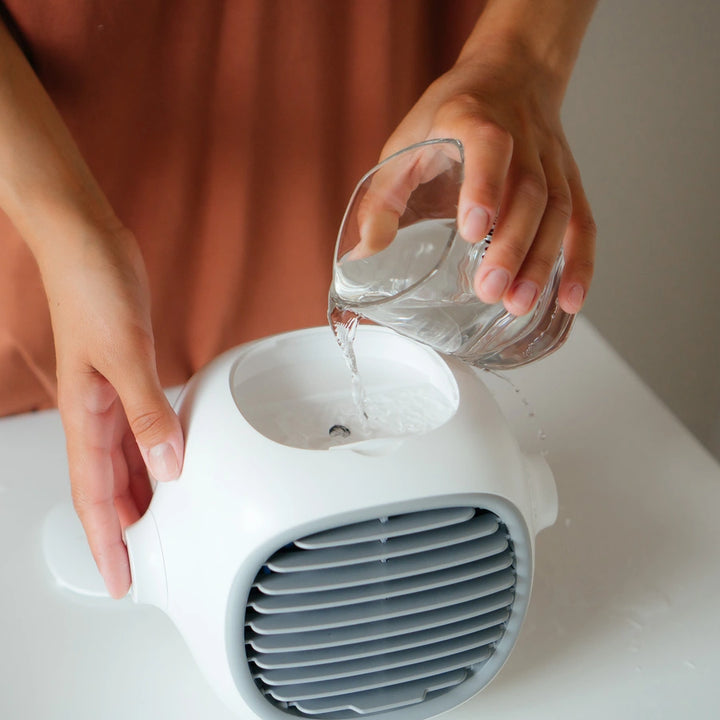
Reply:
x=385 y=577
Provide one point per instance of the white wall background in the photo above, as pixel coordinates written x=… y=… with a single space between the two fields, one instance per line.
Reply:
x=642 y=115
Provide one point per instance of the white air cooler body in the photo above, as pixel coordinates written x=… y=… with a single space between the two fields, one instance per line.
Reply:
x=387 y=577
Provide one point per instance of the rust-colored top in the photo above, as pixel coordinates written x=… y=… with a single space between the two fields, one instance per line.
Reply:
x=228 y=136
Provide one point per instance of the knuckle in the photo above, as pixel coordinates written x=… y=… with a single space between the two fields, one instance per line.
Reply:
x=465 y=101
x=532 y=188
x=511 y=254
x=85 y=500
x=148 y=425
x=559 y=201
x=65 y=400
x=584 y=268
x=460 y=107
x=585 y=226
x=542 y=265
x=489 y=188
x=579 y=267
x=495 y=136
x=466 y=113
x=79 y=500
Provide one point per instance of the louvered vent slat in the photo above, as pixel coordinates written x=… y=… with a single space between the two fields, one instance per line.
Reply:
x=383 y=699
x=382 y=662
x=361 y=575
x=341 y=652
x=384 y=610
x=380 y=614
x=292 y=561
x=336 y=598
x=372 y=681
x=382 y=629
x=384 y=528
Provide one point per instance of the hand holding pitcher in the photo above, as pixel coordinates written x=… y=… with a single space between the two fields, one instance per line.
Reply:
x=401 y=262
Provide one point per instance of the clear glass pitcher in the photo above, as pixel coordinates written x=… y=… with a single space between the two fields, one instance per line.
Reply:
x=401 y=262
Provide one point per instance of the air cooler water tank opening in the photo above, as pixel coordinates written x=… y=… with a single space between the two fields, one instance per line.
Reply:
x=400 y=616
x=300 y=393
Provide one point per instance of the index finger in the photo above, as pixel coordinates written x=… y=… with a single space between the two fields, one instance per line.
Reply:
x=488 y=152
x=91 y=422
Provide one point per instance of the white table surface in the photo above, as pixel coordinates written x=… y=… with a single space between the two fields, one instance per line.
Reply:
x=624 y=621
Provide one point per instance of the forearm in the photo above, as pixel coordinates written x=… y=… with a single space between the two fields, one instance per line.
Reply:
x=502 y=100
x=544 y=34
x=46 y=188
x=99 y=298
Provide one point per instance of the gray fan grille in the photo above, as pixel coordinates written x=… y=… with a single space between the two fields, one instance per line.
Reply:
x=382 y=614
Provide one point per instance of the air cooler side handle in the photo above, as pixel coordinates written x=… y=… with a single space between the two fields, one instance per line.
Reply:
x=147 y=564
x=543 y=492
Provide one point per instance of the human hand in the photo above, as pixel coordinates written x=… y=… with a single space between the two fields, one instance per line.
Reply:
x=503 y=104
x=117 y=419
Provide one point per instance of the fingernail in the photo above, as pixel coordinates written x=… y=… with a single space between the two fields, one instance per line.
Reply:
x=163 y=463
x=524 y=296
x=576 y=295
x=476 y=224
x=493 y=285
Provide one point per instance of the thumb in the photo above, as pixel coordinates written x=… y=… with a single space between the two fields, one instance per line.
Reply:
x=152 y=420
